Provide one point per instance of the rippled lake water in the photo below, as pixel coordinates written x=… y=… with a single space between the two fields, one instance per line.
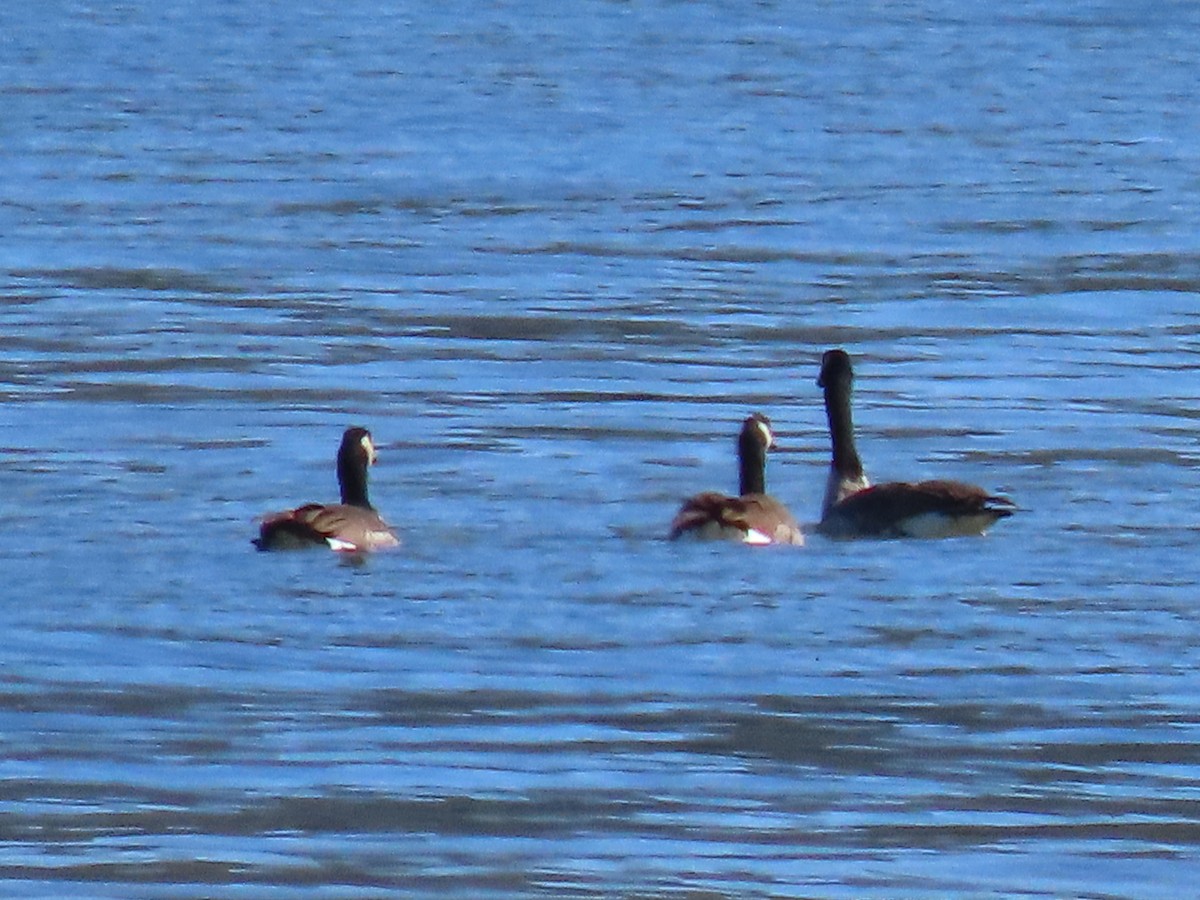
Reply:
x=552 y=256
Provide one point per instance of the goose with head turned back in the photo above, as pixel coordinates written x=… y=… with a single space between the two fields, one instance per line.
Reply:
x=753 y=517
x=351 y=526
x=854 y=508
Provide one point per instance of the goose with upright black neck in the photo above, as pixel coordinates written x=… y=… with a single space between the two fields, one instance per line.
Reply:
x=752 y=517
x=853 y=507
x=352 y=526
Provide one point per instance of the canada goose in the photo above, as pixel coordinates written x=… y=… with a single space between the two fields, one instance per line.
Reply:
x=853 y=508
x=351 y=526
x=754 y=517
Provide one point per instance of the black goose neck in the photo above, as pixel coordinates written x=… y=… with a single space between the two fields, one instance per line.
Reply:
x=352 y=474
x=752 y=462
x=841 y=427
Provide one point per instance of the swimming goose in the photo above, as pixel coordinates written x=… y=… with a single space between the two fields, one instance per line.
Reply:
x=754 y=517
x=351 y=526
x=853 y=508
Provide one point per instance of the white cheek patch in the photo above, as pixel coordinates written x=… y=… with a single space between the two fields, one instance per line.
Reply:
x=768 y=438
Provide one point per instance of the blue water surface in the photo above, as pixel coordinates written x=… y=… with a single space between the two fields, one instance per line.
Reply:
x=552 y=255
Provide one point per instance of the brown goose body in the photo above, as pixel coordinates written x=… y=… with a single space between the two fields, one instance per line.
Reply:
x=924 y=509
x=352 y=526
x=918 y=509
x=753 y=517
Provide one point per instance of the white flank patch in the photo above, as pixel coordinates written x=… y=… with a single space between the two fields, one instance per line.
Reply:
x=755 y=537
x=940 y=525
x=341 y=546
x=382 y=539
